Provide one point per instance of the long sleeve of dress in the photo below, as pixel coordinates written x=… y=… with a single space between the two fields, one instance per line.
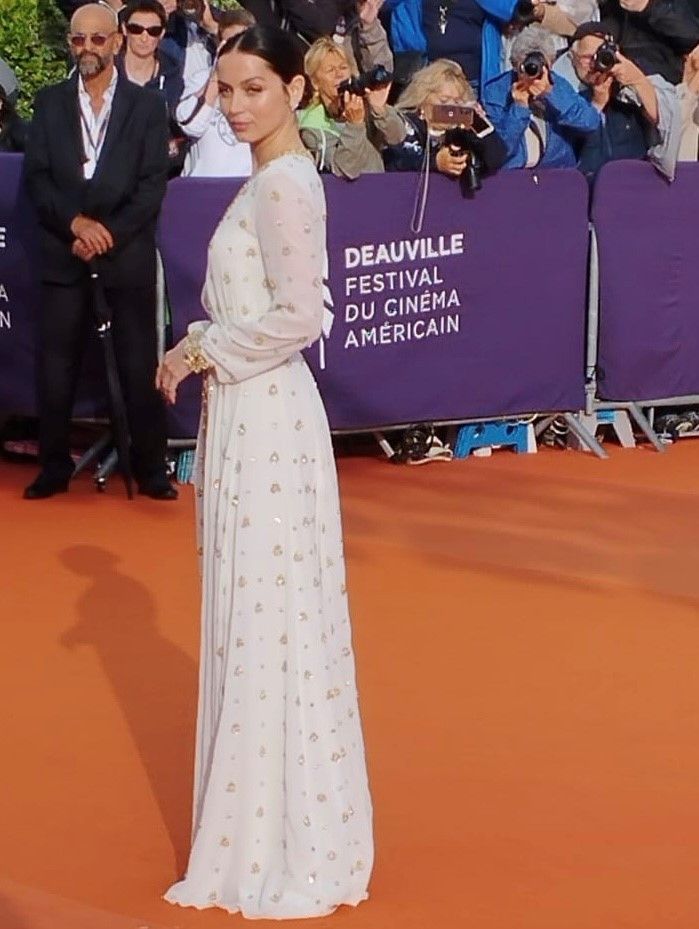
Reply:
x=290 y=228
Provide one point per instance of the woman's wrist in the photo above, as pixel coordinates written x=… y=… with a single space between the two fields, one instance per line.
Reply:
x=193 y=355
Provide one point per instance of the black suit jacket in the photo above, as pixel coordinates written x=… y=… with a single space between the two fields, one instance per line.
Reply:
x=125 y=193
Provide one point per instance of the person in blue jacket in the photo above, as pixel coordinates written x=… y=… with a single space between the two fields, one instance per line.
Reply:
x=469 y=32
x=537 y=113
x=406 y=26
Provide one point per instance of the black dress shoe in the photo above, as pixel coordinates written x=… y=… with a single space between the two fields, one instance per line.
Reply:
x=158 y=490
x=47 y=485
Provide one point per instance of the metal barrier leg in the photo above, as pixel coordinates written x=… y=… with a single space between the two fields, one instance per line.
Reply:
x=93 y=452
x=592 y=324
x=107 y=468
x=543 y=424
x=645 y=427
x=584 y=435
x=384 y=444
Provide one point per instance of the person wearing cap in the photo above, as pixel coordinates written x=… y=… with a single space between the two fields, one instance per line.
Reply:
x=654 y=34
x=539 y=116
x=635 y=107
x=96 y=169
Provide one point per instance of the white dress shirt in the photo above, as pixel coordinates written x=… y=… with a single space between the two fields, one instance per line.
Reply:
x=94 y=126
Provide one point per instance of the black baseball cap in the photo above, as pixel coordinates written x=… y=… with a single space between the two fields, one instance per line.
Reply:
x=596 y=29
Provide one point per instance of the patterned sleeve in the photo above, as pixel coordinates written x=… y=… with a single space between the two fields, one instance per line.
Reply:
x=290 y=226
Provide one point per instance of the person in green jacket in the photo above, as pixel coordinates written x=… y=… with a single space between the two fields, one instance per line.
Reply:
x=345 y=132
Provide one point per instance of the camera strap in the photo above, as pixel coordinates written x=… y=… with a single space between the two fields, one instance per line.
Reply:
x=423 y=183
x=534 y=141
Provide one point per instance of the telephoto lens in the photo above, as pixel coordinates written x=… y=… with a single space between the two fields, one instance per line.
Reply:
x=604 y=58
x=533 y=65
x=374 y=79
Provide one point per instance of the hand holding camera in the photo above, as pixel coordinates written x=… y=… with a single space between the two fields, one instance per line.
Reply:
x=527 y=12
x=353 y=108
x=533 y=79
x=374 y=85
x=451 y=161
x=625 y=72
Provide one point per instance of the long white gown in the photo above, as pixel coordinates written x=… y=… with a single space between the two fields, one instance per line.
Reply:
x=282 y=812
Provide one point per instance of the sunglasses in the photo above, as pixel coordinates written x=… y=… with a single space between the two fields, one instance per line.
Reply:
x=136 y=29
x=98 y=39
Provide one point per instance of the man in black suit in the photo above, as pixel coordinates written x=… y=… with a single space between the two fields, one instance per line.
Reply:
x=96 y=167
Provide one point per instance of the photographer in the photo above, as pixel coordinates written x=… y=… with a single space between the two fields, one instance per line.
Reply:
x=636 y=108
x=214 y=151
x=537 y=113
x=439 y=85
x=559 y=17
x=190 y=36
x=348 y=122
x=654 y=34
x=355 y=23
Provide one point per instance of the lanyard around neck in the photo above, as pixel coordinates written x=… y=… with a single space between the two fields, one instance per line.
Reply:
x=95 y=144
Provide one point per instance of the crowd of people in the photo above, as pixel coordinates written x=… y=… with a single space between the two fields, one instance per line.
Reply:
x=530 y=83
x=460 y=87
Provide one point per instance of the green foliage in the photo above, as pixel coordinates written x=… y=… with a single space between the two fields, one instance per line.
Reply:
x=32 y=42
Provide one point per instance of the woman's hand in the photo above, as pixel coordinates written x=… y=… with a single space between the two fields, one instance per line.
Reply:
x=378 y=99
x=369 y=11
x=449 y=163
x=172 y=371
x=353 y=110
x=626 y=73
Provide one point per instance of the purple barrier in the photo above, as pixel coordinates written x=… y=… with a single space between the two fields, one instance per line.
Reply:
x=19 y=290
x=649 y=282
x=20 y=297
x=482 y=314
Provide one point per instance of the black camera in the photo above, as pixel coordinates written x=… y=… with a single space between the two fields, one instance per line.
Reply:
x=459 y=141
x=605 y=58
x=523 y=14
x=534 y=66
x=374 y=79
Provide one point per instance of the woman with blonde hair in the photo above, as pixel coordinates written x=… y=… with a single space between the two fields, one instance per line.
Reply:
x=345 y=132
x=442 y=83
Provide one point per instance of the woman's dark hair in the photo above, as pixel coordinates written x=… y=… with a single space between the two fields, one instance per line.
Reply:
x=143 y=6
x=279 y=49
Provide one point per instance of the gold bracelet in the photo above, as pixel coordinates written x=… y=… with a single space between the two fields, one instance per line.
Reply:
x=194 y=357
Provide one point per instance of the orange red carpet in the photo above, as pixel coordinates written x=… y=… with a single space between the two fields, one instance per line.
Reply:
x=527 y=638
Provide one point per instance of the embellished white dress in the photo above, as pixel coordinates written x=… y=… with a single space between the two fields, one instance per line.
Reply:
x=282 y=812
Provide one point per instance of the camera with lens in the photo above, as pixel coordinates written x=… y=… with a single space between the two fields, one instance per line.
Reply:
x=534 y=66
x=523 y=14
x=374 y=79
x=459 y=141
x=605 y=58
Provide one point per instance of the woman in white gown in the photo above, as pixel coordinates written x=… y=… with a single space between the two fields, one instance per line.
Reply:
x=282 y=821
